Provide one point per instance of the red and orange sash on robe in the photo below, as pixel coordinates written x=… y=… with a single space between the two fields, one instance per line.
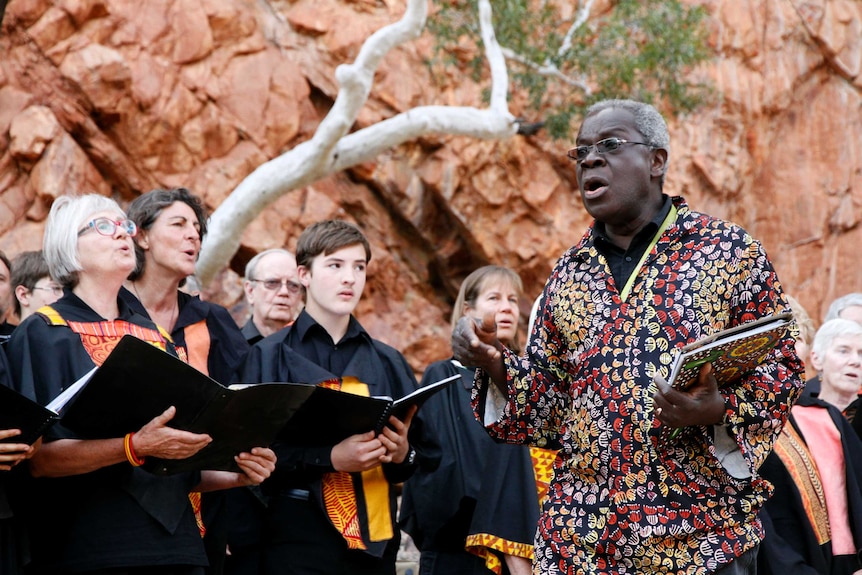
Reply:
x=101 y=337
x=339 y=493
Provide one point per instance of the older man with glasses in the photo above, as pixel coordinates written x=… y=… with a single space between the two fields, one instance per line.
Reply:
x=273 y=292
x=630 y=495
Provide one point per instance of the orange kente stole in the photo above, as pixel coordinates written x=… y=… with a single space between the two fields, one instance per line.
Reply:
x=339 y=494
x=197 y=338
x=797 y=459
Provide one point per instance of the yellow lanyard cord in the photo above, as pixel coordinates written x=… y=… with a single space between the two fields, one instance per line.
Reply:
x=669 y=219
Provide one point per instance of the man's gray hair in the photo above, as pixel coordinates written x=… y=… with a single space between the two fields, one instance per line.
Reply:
x=648 y=121
x=251 y=266
x=842 y=303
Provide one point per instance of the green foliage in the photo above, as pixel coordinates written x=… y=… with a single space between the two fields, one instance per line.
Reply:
x=634 y=49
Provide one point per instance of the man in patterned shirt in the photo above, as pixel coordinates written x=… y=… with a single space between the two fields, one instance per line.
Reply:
x=648 y=276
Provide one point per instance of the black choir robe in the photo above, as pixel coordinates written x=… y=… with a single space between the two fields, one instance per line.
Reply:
x=284 y=356
x=480 y=487
x=117 y=516
x=790 y=545
x=227 y=348
x=13 y=552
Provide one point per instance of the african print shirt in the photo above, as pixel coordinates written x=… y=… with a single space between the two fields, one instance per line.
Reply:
x=624 y=498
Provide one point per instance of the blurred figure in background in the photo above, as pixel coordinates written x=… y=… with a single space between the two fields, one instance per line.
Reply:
x=813 y=521
x=805 y=337
x=273 y=292
x=32 y=284
x=477 y=513
x=847 y=307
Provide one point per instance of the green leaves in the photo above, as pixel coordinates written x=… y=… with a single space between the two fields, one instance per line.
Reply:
x=633 y=49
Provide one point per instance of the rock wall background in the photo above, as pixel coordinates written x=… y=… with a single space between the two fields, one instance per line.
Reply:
x=119 y=97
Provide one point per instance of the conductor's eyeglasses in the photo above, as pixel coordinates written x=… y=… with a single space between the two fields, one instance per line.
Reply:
x=602 y=147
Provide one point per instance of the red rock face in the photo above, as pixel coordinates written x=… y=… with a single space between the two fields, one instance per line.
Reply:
x=119 y=97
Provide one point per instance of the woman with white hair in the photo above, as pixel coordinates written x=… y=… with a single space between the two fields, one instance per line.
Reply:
x=813 y=521
x=836 y=354
x=90 y=507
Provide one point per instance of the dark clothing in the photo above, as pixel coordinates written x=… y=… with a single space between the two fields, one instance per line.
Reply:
x=250 y=332
x=225 y=349
x=13 y=551
x=246 y=508
x=854 y=414
x=480 y=488
x=301 y=541
x=305 y=353
x=6 y=330
x=117 y=516
x=454 y=563
x=812 y=387
x=227 y=346
x=791 y=545
x=180 y=570
x=623 y=263
x=745 y=564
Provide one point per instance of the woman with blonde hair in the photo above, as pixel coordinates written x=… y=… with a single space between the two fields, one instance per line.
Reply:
x=477 y=512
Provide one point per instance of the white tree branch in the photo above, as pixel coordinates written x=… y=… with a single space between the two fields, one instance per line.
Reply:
x=332 y=149
x=581 y=19
x=550 y=69
x=547 y=69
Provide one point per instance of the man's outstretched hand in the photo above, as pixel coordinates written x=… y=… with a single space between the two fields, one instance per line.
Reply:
x=475 y=344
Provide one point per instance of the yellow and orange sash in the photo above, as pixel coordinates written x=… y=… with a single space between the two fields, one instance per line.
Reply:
x=339 y=494
x=482 y=544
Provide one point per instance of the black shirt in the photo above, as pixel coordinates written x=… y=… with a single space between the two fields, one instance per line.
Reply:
x=622 y=262
x=305 y=353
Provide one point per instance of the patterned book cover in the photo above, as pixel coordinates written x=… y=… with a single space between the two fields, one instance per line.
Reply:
x=732 y=352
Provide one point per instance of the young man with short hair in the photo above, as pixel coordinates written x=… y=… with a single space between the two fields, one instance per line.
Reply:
x=332 y=508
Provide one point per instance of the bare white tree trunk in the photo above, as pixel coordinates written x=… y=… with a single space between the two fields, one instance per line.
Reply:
x=332 y=149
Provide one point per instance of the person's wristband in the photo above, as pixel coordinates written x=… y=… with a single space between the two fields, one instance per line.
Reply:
x=130 y=451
